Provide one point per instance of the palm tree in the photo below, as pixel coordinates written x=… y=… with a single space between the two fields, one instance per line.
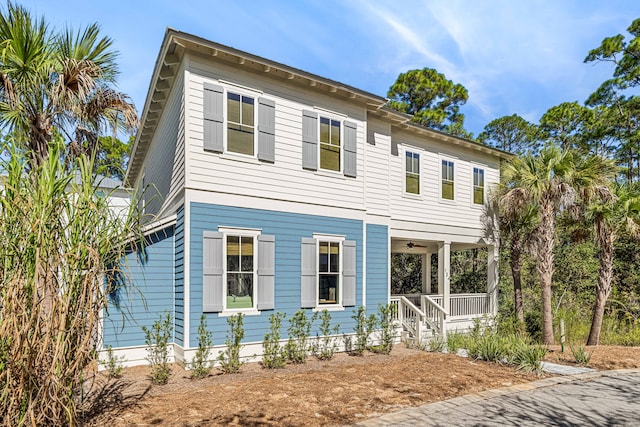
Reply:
x=611 y=214
x=517 y=223
x=57 y=81
x=550 y=182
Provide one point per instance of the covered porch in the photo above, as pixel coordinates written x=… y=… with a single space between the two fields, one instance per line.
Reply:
x=436 y=300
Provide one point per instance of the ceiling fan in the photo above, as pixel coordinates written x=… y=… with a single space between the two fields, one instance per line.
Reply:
x=411 y=245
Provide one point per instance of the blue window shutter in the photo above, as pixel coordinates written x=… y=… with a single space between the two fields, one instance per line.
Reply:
x=350 y=149
x=309 y=283
x=212 y=268
x=266 y=272
x=266 y=130
x=309 y=140
x=349 y=273
x=213 y=118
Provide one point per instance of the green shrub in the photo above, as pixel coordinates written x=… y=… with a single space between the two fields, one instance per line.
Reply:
x=363 y=327
x=274 y=355
x=325 y=345
x=455 y=341
x=492 y=348
x=436 y=344
x=386 y=314
x=529 y=357
x=299 y=331
x=200 y=365
x=229 y=358
x=157 y=340
x=113 y=363
x=581 y=356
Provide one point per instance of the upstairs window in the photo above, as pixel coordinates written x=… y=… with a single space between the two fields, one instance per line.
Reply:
x=329 y=144
x=478 y=186
x=240 y=124
x=412 y=173
x=447 y=180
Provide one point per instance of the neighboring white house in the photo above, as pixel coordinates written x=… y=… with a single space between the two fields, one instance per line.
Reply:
x=276 y=189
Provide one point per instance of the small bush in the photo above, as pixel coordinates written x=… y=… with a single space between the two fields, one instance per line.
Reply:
x=200 y=365
x=325 y=345
x=229 y=358
x=363 y=327
x=455 y=341
x=529 y=357
x=436 y=344
x=299 y=331
x=113 y=363
x=386 y=314
x=581 y=356
x=274 y=355
x=157 y=340
x=491 y=348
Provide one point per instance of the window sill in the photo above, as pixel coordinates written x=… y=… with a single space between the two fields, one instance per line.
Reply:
x=330 y=174
x=240 y=158
x=246 y=312
x=328 y=307
x=412 y=196
x=448 y=201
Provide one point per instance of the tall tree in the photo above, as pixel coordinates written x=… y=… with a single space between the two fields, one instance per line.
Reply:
x=112 y=156
x=432 y=99
x=620 y=124
x=57 y=80
x=611 y=214
x=511 y=133
x=566 y=124
x=550 y=182
x=623 y=54
x=517 y=220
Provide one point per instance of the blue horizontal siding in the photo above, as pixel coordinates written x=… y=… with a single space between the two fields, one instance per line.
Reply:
x=148 y=291
x=288 y=229
x=377 y=266
x=179 y=277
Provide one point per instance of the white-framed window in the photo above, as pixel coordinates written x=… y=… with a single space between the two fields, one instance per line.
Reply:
x=478 y=186
x=329 y=271
x=447 y=177
x=240 y=123
x=330 y=143
x=240 y=252
x=412 y=172
x=328 y=267
x=238 y=266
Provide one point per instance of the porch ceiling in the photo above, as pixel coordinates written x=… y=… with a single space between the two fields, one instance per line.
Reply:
x=418 y=246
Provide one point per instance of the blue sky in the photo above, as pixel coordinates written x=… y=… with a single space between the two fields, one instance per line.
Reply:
x=514 y=56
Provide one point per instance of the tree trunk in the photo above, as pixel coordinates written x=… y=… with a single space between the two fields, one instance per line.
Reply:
x=606 y=239
x=516 y=272
x=546 y=236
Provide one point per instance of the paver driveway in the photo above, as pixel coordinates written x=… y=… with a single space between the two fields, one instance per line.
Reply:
x=596 y=399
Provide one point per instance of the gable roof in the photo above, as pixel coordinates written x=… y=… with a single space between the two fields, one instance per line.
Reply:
x=176 y=43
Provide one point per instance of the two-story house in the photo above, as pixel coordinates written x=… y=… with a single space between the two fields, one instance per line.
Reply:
x=274 y=189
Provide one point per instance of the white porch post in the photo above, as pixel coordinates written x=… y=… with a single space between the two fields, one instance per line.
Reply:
x=426 y=273
x=492 y=278
x=444 y=264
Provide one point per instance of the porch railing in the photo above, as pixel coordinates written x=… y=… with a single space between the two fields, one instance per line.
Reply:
x=409 y=316
x=469 y=305
x=460 y=305
x=435 y=314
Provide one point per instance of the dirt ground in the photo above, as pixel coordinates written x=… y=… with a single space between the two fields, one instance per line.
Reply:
x=344 y=390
